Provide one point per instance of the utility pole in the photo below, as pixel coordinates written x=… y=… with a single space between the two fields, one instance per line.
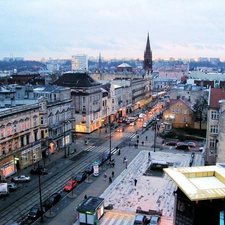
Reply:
x=39 y=185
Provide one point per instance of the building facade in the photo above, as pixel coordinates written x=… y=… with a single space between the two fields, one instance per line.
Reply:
x=79 y=62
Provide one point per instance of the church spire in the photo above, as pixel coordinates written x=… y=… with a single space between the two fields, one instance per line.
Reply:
x=147 y=65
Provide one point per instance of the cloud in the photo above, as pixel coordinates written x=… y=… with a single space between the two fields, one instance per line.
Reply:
x=66 y=27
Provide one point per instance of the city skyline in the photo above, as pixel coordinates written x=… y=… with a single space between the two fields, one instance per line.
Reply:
x=60 y=29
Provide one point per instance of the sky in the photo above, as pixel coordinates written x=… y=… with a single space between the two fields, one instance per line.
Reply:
x=36 y=29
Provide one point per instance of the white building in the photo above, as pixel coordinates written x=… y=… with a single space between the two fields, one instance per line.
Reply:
x=79 y=62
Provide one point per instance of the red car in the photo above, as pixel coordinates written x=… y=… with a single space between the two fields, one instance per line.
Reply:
x=71 y=184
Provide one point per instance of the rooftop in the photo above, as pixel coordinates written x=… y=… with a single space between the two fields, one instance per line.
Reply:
x=200 y=182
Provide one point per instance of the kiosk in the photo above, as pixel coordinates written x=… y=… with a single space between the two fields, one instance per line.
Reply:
x=95 y=169
x=91 y=210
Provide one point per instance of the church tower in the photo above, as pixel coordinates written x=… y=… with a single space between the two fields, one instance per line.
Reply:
x=147 y=65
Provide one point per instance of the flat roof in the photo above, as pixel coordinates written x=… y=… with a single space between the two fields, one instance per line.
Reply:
x=90 y=205
x=200 y=182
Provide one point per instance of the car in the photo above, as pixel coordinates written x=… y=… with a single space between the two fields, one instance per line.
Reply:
x=89 y=169
x=52 y=200
x=120 y=129
x=154 y=220
x=70 y=185
x=138 y=219
x=192 y=144
x=128 y=122
x=36 y=212
x=12 y=186
x=119 y=121
x=183 y=146
x=106 y=156
x=21 y=179
x=141 y=219
x=171 y=143
x=80 y=177
x=38 y=170
x=133 y=123
x=144 y=125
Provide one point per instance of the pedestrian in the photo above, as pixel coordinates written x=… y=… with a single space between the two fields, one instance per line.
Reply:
x=112 y=174
x=142 y=143
x=146 y=138
x=135 y=182
x=137 y=136
x=110 y=180
x=113 y=164
x=104 y=176
x=85 y=197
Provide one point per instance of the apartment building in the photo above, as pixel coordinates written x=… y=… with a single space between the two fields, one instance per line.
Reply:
x=20 y=144
x=79 y=62
x=215 y=131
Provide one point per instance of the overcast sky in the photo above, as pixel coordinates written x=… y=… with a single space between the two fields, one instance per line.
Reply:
x=115 y=28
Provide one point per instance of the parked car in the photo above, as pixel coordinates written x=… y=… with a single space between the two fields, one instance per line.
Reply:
x=138 y=220
x=36 y=212
x=81 y=177
x=52 y=200
x=21 y=179
x=133 y=123
x=154 y=220
x=183 y=146
x=120 y=129
x=171 y=143
x=192 y=144
x=106 y=156
x=38 y=170
x=70 y=185
x=12 y=186
x=128 y=122
x=89 y=169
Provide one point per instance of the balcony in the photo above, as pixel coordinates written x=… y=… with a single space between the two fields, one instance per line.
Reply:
x=213 y=134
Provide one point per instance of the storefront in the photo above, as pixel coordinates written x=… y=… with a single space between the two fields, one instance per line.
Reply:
x=7 y=167
x=30 y=156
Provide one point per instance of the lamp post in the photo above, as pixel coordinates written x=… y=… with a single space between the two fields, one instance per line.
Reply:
x=39 y=185
x=64 y=138
x=110 y=139
x=155 y=125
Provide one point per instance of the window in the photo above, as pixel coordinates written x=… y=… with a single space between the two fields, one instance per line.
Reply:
x=42 y=120
x=21 y=141
x=28 y=139
x=213 y=143
x=185 y=111
x=21 y=125
x=8 y=129
x=185 y=119
x=214 y=129
x=177 y=110
x=83 y=100
x=35 y=121
x=214 y=115
x=2 y=131
x=35 y=135
x=15 y=128
x=84 y=108
x=173 y=110
x=112 y=100
x=27 y=124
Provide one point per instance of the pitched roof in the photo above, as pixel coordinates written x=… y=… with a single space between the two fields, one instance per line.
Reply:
x=216 y=94
x=76 y=80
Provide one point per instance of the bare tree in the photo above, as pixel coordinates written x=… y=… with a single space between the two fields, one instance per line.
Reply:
x=200 y=109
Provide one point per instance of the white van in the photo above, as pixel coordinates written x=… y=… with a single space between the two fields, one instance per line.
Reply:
x=4 y=190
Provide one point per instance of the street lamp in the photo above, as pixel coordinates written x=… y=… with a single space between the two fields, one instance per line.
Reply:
x=110 y=139
x=155 y=125
x=64 y=137
x=39 y=185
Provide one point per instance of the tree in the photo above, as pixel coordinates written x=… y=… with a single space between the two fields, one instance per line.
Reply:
x=200 y=109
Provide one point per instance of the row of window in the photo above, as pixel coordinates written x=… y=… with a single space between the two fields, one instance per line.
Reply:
x=13 y=128
x=178 y=110
x=16 y=143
